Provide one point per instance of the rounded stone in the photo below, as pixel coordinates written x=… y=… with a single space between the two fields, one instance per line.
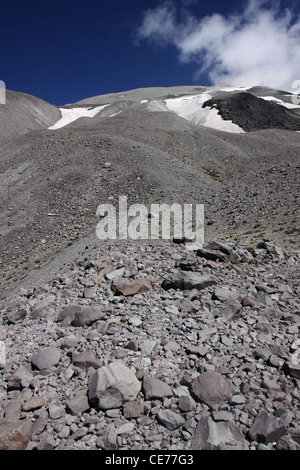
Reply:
x=211 y=388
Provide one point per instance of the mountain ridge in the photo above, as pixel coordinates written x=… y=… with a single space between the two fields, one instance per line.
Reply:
x=24 y=113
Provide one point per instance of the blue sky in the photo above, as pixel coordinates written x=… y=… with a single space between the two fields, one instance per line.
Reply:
x=69 y=50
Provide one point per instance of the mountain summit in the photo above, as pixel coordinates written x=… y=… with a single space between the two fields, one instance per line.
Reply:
x=234 y=110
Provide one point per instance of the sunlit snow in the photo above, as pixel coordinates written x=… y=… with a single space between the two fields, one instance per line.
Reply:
x=282 y=103
x=190 y=108
x=228 y=89
x=72 y=114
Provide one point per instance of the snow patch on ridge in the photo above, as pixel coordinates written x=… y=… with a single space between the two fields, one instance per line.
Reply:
x=282 y=103
x=72 y=114
x=190 y=108
x=229 y=89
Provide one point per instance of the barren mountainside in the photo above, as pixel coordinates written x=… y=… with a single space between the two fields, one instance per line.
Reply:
x=202 y=345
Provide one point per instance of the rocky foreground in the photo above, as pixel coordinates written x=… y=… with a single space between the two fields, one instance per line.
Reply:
x=146 y=346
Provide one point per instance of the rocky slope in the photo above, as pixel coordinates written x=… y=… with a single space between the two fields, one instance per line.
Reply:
x=53 y=181
x=148 y=347
x=23 y=113
x=144 y=344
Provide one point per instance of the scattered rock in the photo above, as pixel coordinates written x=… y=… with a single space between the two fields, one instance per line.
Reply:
x=193 y=280
x=15 y=312
x=2 y=353
x=133 y=409
x=186 y=403
x=292 y=369
x=267 y=428
x=232 y=311
x=163 y=309
x=77 y=405
x=45 y=308
x=170 y=420
x=115 y=274
x=15 y=436
x=56 y=410
x=223 y=294
x=113 y=385
x=33 y=404
x=45 y=358
x=21 y=378
x=86 y=359
x=166 y=368
x=211 y=388
x=80 y=315
x=221 y=435
x=215 y=255
x=174 y=282
x=199 y=351
x=154 y=388
x=125 y=287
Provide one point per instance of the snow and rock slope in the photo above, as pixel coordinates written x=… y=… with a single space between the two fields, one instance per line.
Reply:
x=207 y=340
x=235 y=110
x=252 y=113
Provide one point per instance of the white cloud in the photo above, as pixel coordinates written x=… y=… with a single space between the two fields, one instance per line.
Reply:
x=159 y=24
x=258 y=46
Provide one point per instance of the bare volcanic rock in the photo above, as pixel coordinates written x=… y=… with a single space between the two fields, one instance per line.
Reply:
x=232 y=310
x=112 y=385
x=125 y=287
x=155 y=388
x=189 y=280
x=86 y=359
x=170 y=420
x=80 y=315
x=151 y=344
x=211 y=388
x=15 y=436
x=194 y=280
x=45 y=358
x=254 y=114
x=267 y=428
x=222 y=435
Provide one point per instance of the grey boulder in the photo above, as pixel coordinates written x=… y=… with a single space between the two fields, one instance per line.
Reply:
x=211 y=388
x=267 y=428
x=155 y=388
x=80 y=315
x=170 y=420
x=194 y=280
x=222 y=435
x=112 y=385
x=45 y=358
